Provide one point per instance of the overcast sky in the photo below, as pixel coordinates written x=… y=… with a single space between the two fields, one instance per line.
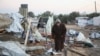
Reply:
x=55 y=6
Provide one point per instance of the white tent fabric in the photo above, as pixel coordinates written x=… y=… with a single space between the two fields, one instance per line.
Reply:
x=38 y=36
x=81 y=37
x=82 y=22
x=95 y=35
x=49 y=25
x=96 y=21
x=16 y=24
x=11 y=48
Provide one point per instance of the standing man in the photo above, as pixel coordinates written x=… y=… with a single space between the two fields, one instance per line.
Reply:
x=58 y=33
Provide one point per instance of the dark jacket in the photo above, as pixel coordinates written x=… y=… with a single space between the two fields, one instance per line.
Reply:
x=59 y=31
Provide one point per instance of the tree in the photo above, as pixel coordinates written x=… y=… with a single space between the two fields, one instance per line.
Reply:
x=55 y=17
x=46 y=14
x=31 y=14
x=73 y=15
x=93 y=15
x=63 y=18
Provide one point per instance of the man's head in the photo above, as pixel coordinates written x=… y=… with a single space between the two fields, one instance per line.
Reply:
x=58 y=22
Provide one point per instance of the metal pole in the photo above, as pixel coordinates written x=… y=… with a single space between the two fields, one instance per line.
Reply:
x=95 y=7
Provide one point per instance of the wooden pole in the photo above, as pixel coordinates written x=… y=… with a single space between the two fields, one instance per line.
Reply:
x=27 y=34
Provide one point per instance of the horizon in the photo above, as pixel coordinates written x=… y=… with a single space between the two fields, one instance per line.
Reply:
x=54 y=6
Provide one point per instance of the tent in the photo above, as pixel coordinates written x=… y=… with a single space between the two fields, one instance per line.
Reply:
x=96 y=21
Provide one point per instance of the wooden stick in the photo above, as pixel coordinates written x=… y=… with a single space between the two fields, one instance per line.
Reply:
x=27 y=34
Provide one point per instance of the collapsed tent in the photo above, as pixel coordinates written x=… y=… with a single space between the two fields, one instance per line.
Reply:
x=11 y=48
x=5 y=21
x=37 y=36
x=95 y=35
x=72 y=33
x=79 y=37
x=16 y=24
x=46 y=23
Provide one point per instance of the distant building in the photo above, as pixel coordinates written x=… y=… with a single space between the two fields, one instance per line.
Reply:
x=23 y=10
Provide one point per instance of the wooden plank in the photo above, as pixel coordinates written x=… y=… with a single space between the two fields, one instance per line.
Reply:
x=76 y=51
x=27 y=34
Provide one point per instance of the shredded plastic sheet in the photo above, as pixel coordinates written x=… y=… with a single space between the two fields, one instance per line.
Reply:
x=11 y=48
x=16 y=24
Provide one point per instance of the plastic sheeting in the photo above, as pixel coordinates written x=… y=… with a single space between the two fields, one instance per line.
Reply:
x=72 y=33
x=16 y=24
x=81 y=37
x=96 y=21
x=82 y=22
x=38 y=36
x=12 y=49
x=95 y=35
x=49 y=25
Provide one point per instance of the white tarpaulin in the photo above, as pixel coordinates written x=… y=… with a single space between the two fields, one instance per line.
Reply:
x=49 y=25
x=81 y=37
x=16 y=24
x=11 y=48
x=38 y=36
x=96 y=21
x=95 y=35
x=82 y=21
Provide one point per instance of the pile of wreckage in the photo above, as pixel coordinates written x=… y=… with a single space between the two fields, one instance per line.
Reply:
x=12 y=23
x=35 y=41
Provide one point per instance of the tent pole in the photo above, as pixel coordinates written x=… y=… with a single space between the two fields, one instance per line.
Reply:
x=27 y=34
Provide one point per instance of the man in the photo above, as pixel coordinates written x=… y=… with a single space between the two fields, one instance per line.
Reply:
x=59 y=32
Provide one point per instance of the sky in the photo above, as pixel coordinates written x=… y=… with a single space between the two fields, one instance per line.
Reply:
x=55 y=6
